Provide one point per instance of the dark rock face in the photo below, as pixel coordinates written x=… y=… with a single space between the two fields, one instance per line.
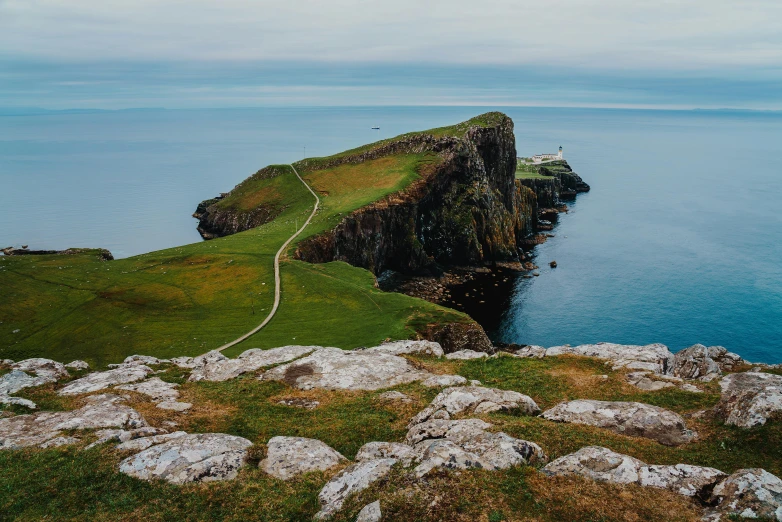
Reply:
x=469 y=211
x=215 y=220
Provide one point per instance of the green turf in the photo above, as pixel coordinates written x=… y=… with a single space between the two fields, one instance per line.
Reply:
x=187 y=300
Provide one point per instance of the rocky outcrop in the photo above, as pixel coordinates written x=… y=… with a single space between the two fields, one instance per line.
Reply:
x=356 y=477
x=100 y=411
x=102 y=380
x=475 y=399
x=750 y=398
x=627 y=418
x=653 y=357
x=220 y=368
x=203 y=457
x=370 y=513
x=750 y=493
x=288 y=457
x=603 y=465
x=386 y=450
x=335 y=369
x=705 y=364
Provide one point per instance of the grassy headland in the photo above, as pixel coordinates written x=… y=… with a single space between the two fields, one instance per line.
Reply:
x=189 y=299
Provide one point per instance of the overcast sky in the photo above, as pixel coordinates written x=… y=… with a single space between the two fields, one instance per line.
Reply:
x=131 y=53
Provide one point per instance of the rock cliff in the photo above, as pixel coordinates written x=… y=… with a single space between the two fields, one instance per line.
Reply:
x=468 y=210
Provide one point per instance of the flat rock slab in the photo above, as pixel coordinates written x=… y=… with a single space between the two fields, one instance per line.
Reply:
x=370 y=513
x=335 y=369
x=143 y=359
x=475 y=399
x=602 y=464
x=437 y=381
x=155 y=388
x=750 y=493
x=352 y=479
x=222 y=369
x=17 y=380
x=653 y=357
x=446 y=454
x=101 y=411
x=102 y=380
x=409 y=347
x=597 y=463
x=466 y=355
x=749 y=398
x=386 y=450
x=457 y=430
x=202 y=457
x=174 y=406
x=142 y=443
x=394 y=395
x=627 y=418
x=288 y=457
x=45 y=368
x=78 y=365
x=684 y=479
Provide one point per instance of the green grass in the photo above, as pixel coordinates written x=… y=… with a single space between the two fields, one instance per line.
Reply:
x=189 y=299
x=527 y=171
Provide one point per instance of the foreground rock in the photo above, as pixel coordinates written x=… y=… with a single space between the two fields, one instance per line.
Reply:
x=409 y=347
x=352 y=479
x=467 y=355
x=335 y=369
x=220 y=368
x=288 y=457
x=155 y=388
x=101 y=411
x=102 y=380
x=386 y=450
x=203 y=457
x=370 y=513
x=750 y=493
x=749 y=398
x=465 y=444
x=627 y=418
x=653 y=357
x=44 y=371
x=475 y=399
x=603 y=465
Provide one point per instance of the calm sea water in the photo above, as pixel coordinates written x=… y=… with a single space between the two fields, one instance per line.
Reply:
x=680 y=240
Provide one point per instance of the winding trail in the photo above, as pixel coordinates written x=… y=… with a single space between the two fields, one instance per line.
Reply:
x=277 y=270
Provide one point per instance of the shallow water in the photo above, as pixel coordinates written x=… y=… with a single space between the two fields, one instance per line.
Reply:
x=679 y=241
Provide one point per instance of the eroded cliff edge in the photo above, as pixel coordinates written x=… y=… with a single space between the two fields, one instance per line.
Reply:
x=468 y=209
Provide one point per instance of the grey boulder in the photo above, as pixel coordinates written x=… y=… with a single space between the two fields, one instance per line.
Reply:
x=203 y=457
x=700 y=362
x=155 y=388
x=219 y=369
x=409 y=347
x=627 y=418
x=102 y=380
x=352 y=479
x=750 y=398
x=288 y=457
x=386 y=450
x=466 y=355
x=597 y=463
x=750 y=493
x=335 y=369
x=684 y=479
x=653 y=357
x=100 y=411
x=475 y=399
x=370 y=513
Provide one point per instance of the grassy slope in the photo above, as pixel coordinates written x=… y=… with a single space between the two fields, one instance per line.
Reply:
x=186 y=300
x=88 y=487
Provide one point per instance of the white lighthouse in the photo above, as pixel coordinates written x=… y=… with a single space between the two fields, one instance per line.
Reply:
x=559 y=154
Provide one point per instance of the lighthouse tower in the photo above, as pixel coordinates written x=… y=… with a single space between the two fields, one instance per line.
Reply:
x=559 y=154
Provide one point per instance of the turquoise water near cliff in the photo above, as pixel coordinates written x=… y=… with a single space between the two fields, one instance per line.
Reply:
x=679 y=241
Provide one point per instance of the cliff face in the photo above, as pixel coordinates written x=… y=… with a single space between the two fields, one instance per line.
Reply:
x=469 y=210
x=562 y=184
x=215 y=219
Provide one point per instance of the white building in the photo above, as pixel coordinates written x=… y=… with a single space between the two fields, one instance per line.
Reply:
x=540 y=158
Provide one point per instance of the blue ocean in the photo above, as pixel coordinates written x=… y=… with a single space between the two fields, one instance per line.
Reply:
x=679 y=241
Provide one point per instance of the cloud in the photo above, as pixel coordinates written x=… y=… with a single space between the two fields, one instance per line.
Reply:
x=681 y=35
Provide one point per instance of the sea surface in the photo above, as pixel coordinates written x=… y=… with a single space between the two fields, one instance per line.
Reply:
x=679 y=241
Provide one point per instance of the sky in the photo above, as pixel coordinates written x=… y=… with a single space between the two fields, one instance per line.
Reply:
x=112 y=54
